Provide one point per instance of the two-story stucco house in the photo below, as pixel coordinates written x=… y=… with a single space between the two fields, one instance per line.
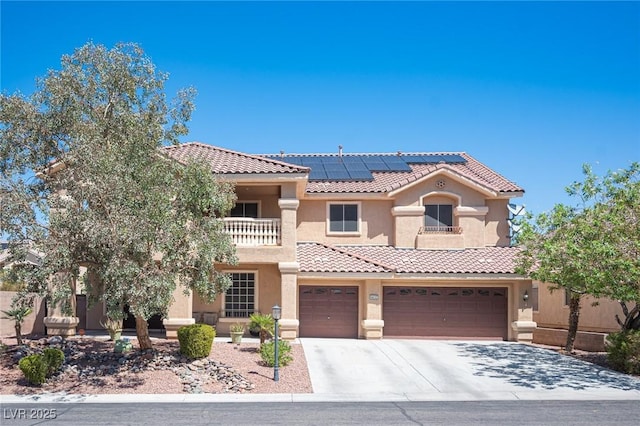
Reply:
x=366 y=246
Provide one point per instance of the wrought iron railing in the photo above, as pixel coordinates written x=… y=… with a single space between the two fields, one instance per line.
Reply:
x=440 y=230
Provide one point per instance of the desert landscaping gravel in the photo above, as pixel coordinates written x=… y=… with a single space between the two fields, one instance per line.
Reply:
x=92 y=367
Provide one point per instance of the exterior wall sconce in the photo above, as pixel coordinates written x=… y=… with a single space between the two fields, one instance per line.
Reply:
x=276 y=313
x=525 y=297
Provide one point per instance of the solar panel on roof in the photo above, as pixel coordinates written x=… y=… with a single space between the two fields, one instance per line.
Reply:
x=312 y=160
x=352 y=159
x=330 y=160
x=453 y=158
x=396 y=164
x=356 y=166
x=334 y=167
x=360 y=175
x=317 y=174
x=337 y=175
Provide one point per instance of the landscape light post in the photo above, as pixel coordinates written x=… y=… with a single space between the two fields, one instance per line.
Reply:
x=276 y=312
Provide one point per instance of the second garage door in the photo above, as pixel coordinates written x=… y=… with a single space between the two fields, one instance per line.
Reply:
x=327 y=311
x=445 y=312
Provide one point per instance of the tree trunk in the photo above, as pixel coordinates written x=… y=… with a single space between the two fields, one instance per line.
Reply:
x=142 y=331
x=574 y=317
x=18 y=333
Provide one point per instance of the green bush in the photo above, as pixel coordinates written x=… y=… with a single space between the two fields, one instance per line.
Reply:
x=54 y=358
x=196 y=340
x=267 y=352
x=34 y=368
x=623 y=351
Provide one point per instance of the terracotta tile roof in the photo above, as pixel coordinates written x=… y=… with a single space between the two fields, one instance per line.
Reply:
x=231 y=162
x=225 y=161
x=389 y=181
x=314 y=257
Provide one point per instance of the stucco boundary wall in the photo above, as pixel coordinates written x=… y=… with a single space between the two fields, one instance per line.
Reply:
x=34 y=324
x=585 y=340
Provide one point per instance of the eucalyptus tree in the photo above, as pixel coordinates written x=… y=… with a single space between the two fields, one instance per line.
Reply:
x=591 y=248
x=85 y=182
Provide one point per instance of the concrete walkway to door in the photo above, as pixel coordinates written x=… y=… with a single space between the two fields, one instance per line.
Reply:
x=432 y=370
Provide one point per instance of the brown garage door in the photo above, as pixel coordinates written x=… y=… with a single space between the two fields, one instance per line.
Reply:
x=328 y=311
x=445 y=312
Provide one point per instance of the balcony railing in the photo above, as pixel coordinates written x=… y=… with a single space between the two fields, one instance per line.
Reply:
x=246 y=231
x=440 y=230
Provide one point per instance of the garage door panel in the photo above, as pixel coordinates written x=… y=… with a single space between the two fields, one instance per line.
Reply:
x=328 y=311
x=445 y=312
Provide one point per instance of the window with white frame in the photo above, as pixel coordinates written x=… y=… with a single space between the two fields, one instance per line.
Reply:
x=344 y=217
x=245 y=209
x=240 y=298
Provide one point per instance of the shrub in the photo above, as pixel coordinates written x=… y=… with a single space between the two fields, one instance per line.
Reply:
x=34 y=368
x=263 y=324
x=196 y=340
x=54 y=358
x=267 y=352
x=623 y=351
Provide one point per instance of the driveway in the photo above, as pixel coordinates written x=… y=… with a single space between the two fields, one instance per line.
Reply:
x=344 y=369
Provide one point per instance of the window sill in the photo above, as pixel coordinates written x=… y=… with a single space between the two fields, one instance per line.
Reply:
x=343 y=234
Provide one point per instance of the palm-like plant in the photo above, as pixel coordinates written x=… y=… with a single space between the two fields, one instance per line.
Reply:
x=264 y=323
x=18 y=315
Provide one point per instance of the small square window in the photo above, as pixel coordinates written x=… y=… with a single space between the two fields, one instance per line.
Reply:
x=344 y=218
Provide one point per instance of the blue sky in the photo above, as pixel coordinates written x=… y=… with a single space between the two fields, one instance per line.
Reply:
x=533 y=90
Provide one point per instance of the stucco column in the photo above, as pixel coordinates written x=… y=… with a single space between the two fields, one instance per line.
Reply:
x=407 y=220
x=61 y=323
x=372 y=324
x=523 y=325
x=288 y=225
x=289 y=299
x=180 y=312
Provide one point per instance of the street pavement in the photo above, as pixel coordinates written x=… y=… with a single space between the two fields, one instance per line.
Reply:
x=418 y=370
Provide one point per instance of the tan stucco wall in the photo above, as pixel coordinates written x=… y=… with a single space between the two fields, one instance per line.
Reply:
x=32 y=324
x=553 y=313
x=376 y=222
x=268 y=294
x=496 y=232
x=381 y=225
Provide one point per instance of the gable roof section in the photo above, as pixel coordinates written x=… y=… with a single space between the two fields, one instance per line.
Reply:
x=388 y=181
x=315 y=257
x=224 y=161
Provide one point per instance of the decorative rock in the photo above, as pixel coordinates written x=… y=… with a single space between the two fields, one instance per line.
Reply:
x=54 y=340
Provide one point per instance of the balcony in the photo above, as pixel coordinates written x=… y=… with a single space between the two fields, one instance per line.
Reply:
x=440 y=230
x=440 y=238
x=246 y=231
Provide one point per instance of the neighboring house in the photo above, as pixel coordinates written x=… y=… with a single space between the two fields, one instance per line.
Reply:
x=34 y=322
x=365 y=246
x=551 y=312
